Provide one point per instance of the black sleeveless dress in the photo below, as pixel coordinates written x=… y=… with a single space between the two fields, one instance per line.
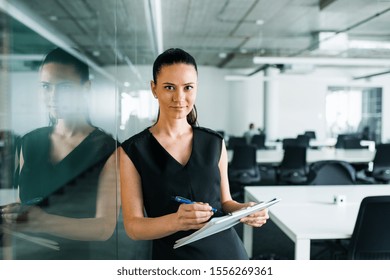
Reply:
x=199 y=180
x=67 y=188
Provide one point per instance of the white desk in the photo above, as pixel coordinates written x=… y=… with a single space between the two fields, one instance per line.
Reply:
x=8 y=196
x=307 y=213
x=352 y=156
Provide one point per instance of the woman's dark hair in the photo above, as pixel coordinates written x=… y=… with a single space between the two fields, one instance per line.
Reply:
x=170 y=57
x=62 y=57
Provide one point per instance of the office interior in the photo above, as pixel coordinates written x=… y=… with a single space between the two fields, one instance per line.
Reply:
x=288 y=67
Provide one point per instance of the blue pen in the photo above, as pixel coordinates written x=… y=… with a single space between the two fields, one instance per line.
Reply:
x=33 y=201
x=187 y=201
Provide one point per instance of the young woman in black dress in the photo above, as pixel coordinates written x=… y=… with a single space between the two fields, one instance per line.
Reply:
x=175 y=157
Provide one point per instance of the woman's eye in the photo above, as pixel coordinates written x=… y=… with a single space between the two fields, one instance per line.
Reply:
x=45 y=86
x=169 y=87
x=189 y=87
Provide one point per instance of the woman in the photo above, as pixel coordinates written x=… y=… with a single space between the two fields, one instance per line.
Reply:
x=67 y=179
x=174 y=157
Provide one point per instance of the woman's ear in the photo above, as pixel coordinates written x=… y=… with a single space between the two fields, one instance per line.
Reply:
x=153 y=88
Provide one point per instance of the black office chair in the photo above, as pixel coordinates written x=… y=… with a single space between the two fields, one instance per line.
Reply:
x=370 y=239
x=331 y=172
x=381 y=163
x=243 y=170
x=353 y=143
x=235 y=140
x=311 y=134
x=293 y=169
x=303 y=140
x=259 y=141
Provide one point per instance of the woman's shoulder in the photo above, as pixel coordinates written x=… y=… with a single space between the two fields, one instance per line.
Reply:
x=38 y=134
x=136 y=138
x=208 y=131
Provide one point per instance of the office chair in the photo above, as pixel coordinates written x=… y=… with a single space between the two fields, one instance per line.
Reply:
x=370 y=238
x=311 y=134
x=234 y=140
x=381 y=164
x=288 y=142
x=259 y=141
x=331 y=172
x=243 y=169
x=293 y=169
x=353 y=143
x=303 y=140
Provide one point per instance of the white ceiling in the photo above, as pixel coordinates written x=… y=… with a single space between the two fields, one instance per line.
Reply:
x=221 y=33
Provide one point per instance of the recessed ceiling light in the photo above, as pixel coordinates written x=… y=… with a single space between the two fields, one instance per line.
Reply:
x=95 y=53
x=53 y=18
x=126 y=84
x=222 y=55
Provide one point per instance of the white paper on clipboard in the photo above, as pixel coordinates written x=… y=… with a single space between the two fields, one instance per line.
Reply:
x=219 y=224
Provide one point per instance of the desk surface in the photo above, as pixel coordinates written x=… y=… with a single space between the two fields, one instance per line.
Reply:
x=8 y=196
x=308 y=212
x=352 y=156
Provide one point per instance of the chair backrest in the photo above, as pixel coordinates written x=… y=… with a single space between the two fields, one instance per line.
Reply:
x=353 y=143
x=235 y=140
x=294 y=157
x=331 y=172
x=288 y=142
x=303 y=140
x=293 y=168
x=244 y=156
x=381 y=163
x=243 y=168
x=349 y=141
x=311 y=134
x=258 y=140
x=370 y=239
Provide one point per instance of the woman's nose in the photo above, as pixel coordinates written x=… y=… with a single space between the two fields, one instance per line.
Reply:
x=178 y=95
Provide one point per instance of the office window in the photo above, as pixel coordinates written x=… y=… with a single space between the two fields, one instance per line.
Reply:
x=354 y=110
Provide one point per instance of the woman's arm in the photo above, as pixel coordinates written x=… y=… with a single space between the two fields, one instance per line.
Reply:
x=138 y=227
x=228 y=204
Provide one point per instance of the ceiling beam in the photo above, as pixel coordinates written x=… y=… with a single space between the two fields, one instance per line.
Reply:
x=371 y=75
x=325 y=3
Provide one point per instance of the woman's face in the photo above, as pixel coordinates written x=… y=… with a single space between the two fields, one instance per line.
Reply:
x=63 y=90
x=175 y=90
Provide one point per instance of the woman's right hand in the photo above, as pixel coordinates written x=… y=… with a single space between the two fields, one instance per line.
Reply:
x=193 y=216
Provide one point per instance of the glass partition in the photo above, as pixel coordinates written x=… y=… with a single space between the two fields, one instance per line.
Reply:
x=60 y=117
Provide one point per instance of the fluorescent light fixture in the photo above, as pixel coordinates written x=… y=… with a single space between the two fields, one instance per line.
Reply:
x=365 y=44
x=153 y=16
x=332 y=41
x=322 y=61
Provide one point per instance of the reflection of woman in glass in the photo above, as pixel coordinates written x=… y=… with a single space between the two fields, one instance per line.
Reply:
x=175 y=157
x=67 y=180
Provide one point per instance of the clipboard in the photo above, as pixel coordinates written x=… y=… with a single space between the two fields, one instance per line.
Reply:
x=219 y=224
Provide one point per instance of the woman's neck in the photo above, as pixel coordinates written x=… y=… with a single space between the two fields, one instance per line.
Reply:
x=72 y=128
x=173 y=128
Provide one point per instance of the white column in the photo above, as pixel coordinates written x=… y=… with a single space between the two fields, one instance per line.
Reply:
x=271 y=103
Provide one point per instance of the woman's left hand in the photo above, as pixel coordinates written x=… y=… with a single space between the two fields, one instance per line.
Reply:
x=256 y=219
x=18 y=216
